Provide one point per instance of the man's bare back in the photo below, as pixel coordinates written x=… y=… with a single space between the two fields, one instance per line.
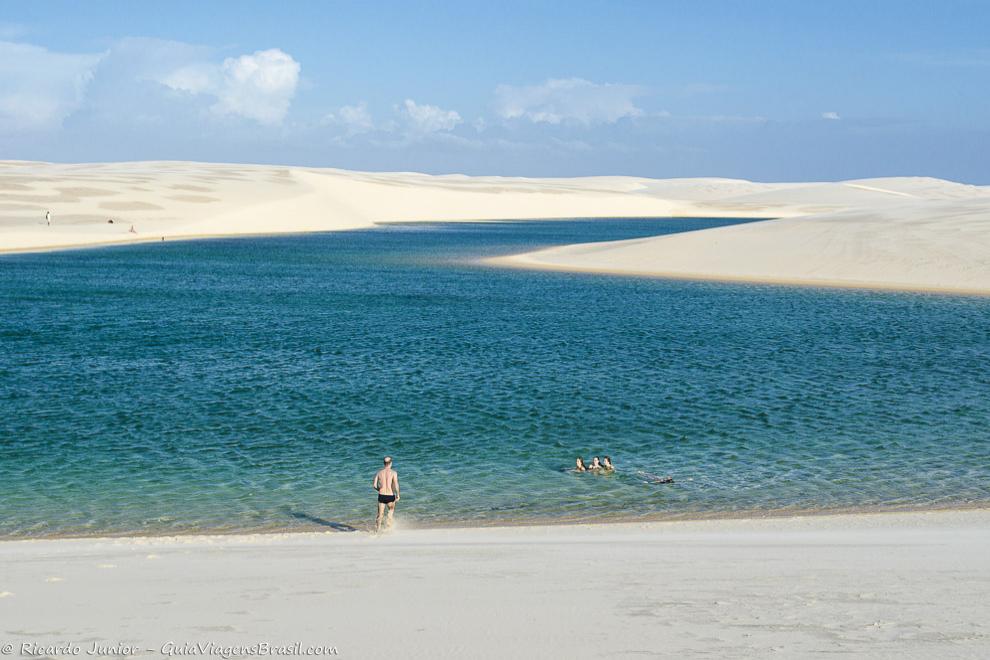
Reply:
x=386 y=482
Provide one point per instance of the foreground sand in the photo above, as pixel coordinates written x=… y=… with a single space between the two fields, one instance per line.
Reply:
x=904 y=233
x=912 y=585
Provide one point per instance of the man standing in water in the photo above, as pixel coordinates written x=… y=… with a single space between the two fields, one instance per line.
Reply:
x=386 y=482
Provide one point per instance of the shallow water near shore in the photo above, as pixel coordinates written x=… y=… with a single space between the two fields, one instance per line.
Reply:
x=254 y=384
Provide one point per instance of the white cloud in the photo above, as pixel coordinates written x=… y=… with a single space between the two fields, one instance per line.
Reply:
x=577 y=100
x=355 y=118
x=412 y=123
x=429 y=118
x=830 y=115
x=259 y=86
x=40 y=88
x=194 y=78
x=142 y=82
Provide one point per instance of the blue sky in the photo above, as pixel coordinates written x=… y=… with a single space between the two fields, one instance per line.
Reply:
x=753 y=89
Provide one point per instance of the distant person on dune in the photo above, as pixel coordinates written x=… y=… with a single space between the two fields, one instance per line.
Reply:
x=48 y=218
x=386 y=482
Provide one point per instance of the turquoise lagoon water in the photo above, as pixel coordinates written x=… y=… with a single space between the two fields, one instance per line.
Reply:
x=254 y=384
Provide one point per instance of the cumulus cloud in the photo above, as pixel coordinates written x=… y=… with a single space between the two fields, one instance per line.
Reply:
x=259 y=86
x=40 y=88
x=558 y=101
x=830 y=115
x=429 y=118
x=141 y=79
x=193 y=78
x=354 y=118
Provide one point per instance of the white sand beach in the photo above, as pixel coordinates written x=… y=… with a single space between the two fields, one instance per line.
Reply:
x=904 y=585
x=903 y=233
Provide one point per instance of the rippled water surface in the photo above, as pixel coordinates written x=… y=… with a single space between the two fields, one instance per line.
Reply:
x=255 y=384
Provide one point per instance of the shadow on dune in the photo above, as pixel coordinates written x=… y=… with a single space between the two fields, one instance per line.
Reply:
x=322 y=522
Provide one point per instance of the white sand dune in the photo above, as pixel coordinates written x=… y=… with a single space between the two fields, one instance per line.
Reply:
x=942 y=246
x=908 y=585
x=182 y=200
x=907 y=233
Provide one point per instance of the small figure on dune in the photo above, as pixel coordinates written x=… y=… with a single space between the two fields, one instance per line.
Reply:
x=48 y=218
x=132 y=230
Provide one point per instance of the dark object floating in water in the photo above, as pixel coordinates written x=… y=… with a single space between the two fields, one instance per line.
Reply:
x=656 y=479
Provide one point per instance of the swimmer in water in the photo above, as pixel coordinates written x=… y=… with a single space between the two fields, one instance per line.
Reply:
x=607 y=464
x=579 y=465
x=596 y=464
x=655 y=478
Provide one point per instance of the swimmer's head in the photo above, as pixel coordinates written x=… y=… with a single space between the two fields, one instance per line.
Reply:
x=388 y=461
x=579 y=462
x=596 y=461
x=608 y=461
